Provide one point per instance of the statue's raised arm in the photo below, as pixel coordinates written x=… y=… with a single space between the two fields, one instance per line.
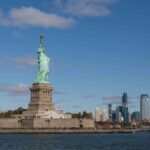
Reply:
x=43 y=64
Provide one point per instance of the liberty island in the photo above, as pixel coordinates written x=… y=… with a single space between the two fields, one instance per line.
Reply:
x=41 y=112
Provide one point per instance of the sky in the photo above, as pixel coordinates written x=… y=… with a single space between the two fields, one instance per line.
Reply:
x=98 y=49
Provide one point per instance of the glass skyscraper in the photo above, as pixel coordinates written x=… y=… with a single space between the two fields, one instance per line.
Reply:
x=125 y=100
x=110 y=111
x=119 y=114
x=145 y=107
x=136 y=116
x=125 y=107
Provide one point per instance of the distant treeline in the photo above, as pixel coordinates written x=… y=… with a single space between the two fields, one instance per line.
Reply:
x=19 y=110
x=82 y=115
x=8 y=113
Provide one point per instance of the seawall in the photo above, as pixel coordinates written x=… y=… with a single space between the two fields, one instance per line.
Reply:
x=15 y=123
x=62 y=131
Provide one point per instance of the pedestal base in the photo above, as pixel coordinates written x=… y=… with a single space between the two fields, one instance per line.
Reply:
x=41 y=100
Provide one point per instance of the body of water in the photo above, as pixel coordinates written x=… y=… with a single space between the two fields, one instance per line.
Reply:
x=133 y=141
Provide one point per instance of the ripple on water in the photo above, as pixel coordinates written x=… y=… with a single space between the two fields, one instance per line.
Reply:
x=137 y=141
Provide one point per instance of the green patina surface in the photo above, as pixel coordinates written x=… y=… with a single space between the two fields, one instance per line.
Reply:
x=43 y=64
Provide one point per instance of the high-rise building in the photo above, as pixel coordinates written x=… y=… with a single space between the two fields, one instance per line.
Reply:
x=104 y=116
x=97 y=114
x=113 y=115
x=119 y=117
x=110 y=111
x=119 y=108
x=145 y=107
x=136 y=116
x=125 y=115
x=125 y=107
x=125 y=100
x=129 y=117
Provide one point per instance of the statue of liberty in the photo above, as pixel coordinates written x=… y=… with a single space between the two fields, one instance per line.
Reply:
x=43 y=64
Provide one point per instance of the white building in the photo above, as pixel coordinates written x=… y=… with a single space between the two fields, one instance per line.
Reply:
x=145 y=107
x=104 y=116
x=119 y=117
x=97 y=114
x=55 y=115
x=43 y=115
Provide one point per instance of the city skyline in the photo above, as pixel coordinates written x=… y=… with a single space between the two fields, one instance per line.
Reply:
x=96 y=56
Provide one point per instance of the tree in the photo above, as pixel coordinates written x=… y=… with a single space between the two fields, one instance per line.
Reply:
x=8 y=113
x=83 y=115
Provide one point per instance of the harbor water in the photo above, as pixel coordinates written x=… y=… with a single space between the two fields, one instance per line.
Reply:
x=132 y=141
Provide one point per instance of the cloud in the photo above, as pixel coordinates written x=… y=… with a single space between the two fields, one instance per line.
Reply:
x=16 y=34
x=133 y=105
x=19 y=63
x=112 y=99
x=66 y=66
x=85 y=7
x=60 y=101
x=20 y=60
x=56 y=92
x=75 y=106
x=14 y=90
x=1 y=13
x=30 y=16
x=24 y=60
x=89 y=96
x=1 y=59
x=22 y=68
x=90 y=66
x=115 y=99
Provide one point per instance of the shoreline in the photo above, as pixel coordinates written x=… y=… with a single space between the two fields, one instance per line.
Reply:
x=64 y=131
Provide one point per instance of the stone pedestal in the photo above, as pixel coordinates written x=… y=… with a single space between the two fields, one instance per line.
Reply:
x=41 y=98
x=40 y=101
